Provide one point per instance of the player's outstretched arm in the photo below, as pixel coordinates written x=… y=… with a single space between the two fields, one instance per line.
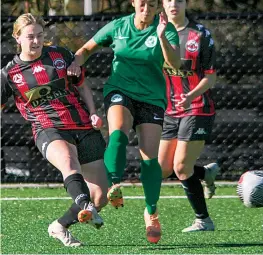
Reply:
x=81 y=57
x=85 y=51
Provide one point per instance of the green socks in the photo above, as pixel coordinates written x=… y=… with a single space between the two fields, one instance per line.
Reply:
x=151 y=173
x=115 y=156
x=151 y=177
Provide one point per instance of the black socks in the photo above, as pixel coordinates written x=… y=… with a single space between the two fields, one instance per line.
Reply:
x=199 y=172
x=70 y=217
x=78 y=190
x=195 y=194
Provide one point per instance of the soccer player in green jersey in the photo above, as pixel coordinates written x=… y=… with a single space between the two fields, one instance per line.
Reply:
x=135 y=96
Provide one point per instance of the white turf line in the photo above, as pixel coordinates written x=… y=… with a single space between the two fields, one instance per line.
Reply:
x=124 y=184
x=125 y=197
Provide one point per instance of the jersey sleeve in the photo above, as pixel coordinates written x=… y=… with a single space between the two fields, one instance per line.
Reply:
x=208 y=54
x=67 y=55
x=104 y=37
x=172 y=34
x=6 y=90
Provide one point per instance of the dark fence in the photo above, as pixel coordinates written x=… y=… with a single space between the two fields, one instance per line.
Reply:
x=237 y=138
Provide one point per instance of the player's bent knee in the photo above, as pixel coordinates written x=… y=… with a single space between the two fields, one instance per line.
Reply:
x=183 y=171
x=166 y=173
x=179 y=168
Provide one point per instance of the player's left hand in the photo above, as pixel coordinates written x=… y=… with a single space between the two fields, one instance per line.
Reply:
x=96 y=121
x=74 y=69
x=162 y=24
x=185 y=101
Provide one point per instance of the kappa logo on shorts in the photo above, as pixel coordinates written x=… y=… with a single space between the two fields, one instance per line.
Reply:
x=116 y=98
x=151 y=41
x=200 y=131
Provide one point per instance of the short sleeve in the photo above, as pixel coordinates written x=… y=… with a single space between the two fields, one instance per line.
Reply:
x=208 y=54
x=68 y=56
x=172 y=34
x=104 y=36
x=6 y=90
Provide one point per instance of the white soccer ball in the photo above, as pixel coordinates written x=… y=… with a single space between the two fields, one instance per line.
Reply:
x=250 y=188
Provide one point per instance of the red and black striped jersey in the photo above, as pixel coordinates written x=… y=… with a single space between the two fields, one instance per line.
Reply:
x=197 y=59
x=43 y=92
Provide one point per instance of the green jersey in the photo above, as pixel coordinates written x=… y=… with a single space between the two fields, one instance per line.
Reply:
x=138 y=59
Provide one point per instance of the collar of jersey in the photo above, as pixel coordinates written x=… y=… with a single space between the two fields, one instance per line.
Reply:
x=153 y=24
x=20 y=61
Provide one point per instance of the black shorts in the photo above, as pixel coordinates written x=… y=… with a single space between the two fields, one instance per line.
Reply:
x=89 y=143
x=141 y=112
x=189 y=128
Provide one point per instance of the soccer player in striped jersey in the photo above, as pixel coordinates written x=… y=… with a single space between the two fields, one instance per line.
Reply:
x=135 y=96
x=190 y=112
x=64 y=121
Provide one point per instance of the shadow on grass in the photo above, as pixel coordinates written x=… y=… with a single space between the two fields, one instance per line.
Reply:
x=195 y=246
x=176 y=246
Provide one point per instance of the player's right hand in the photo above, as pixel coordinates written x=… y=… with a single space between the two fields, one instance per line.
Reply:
x=96 y=121
x=74 y=69
x=163 y=21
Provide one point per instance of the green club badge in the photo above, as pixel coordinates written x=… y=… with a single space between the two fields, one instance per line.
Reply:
x=151 y=41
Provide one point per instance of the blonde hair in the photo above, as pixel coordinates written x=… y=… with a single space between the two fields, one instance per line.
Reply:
x=26 y=20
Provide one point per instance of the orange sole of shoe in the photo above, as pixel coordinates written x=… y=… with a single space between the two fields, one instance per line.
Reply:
x=84 y=216
x=153 y=236
x=152 y=239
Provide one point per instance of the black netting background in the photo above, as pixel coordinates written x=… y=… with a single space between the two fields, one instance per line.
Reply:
x=237 y=139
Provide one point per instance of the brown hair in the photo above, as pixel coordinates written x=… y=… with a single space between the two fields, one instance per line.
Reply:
x=25 y=20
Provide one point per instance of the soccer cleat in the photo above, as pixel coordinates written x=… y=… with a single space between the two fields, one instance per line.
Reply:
x=211 y=170
x=57 y=231
x=96 y=220
x=201 y=225
x=115 y=196
x=84 y=216
x=153 y=227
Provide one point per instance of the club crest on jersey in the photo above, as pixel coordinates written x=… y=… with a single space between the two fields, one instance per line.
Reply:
x=151 y=41
x=59 y=63
x=192 y=46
